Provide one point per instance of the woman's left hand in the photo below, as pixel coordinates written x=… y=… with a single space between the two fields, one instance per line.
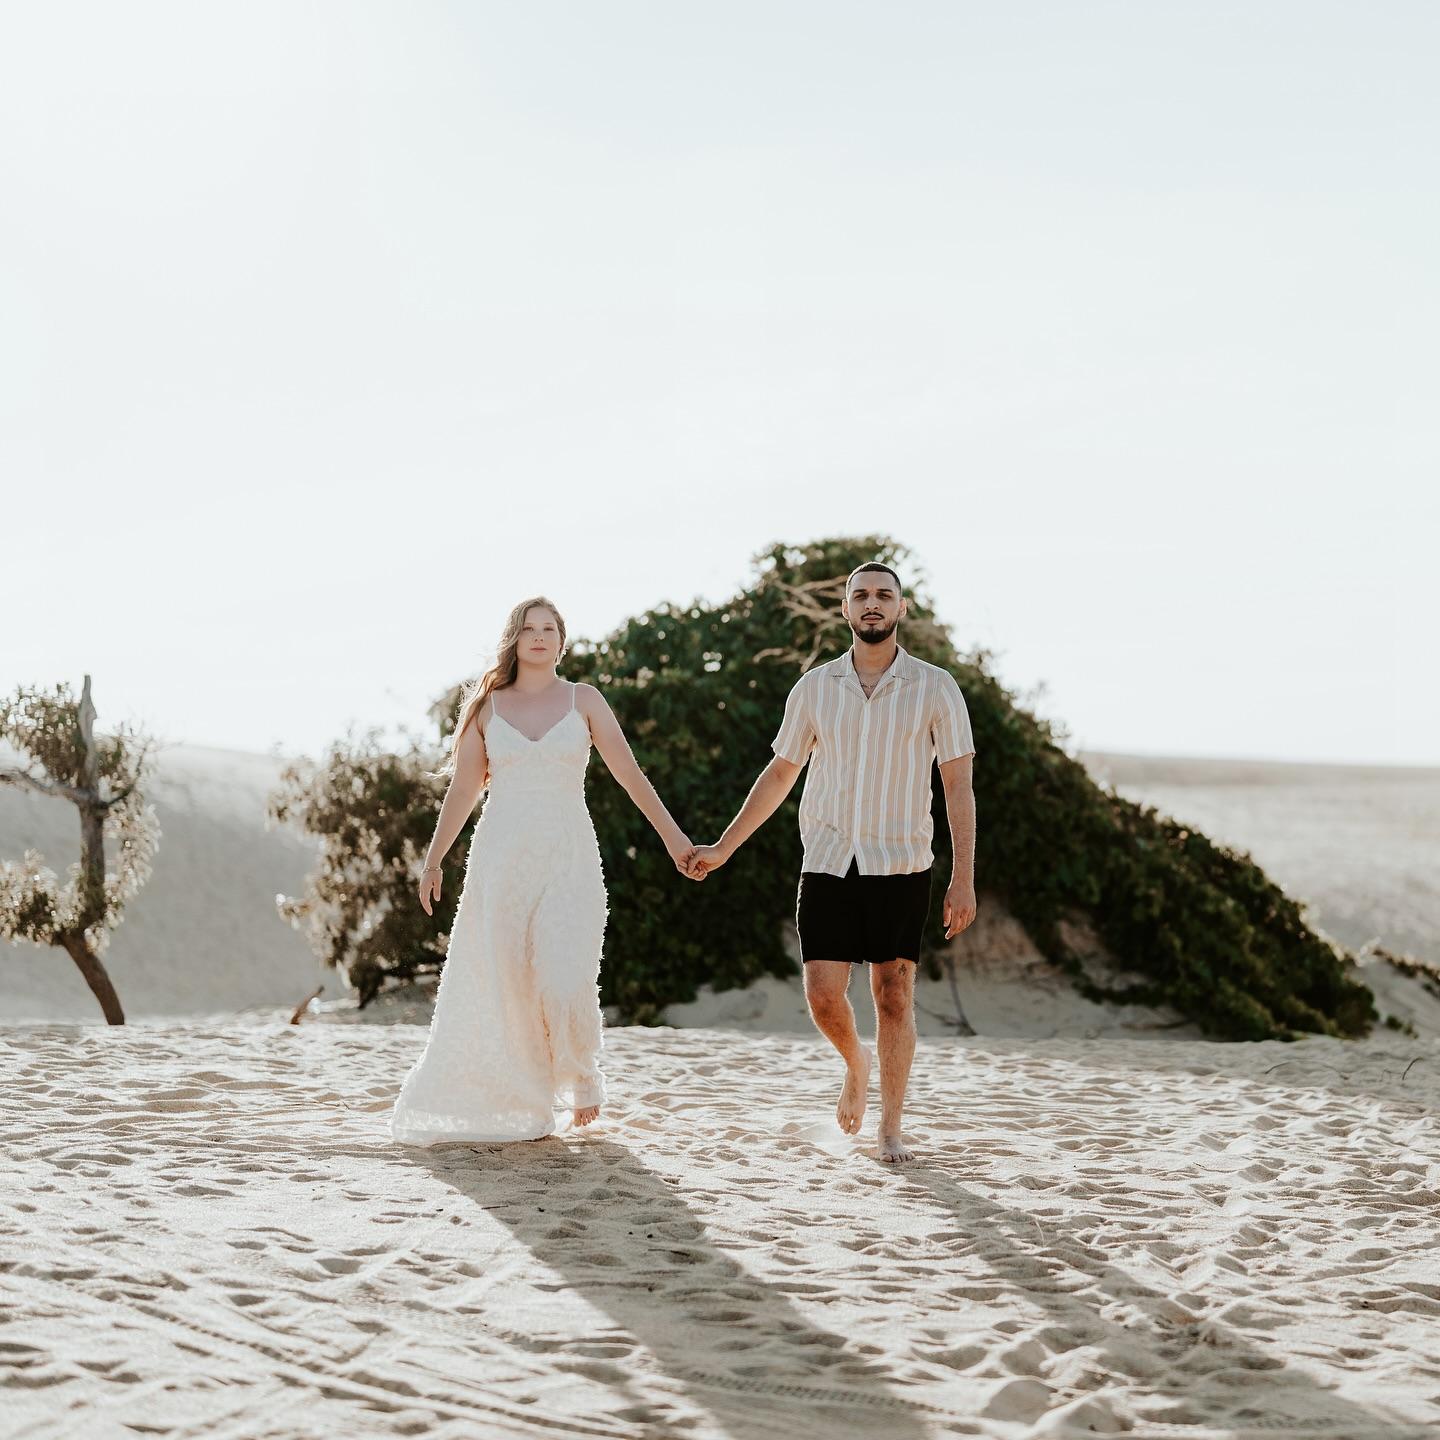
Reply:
x=680 y=852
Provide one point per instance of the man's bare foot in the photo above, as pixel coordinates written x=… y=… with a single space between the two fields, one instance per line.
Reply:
x=851 y=1110
x=892 y=1149
x=584 y=1114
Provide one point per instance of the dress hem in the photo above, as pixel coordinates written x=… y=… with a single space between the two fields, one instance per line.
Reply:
x=425 y=1139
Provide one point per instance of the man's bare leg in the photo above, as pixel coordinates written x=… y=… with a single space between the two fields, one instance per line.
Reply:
x=893 y=986
x=826 y=989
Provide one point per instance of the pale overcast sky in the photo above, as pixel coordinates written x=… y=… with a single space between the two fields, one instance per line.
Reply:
x=328 y=331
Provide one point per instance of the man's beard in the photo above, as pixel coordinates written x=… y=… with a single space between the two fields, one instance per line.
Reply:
x=872 y=633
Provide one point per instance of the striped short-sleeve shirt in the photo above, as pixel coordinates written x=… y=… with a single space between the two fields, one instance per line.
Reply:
x=867 y=796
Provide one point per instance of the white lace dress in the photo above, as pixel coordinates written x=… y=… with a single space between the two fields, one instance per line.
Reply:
x=516 y=1034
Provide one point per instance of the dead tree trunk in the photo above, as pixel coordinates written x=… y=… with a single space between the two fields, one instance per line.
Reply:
x=92 y=820
x=962 y=1024
x=92 y=906
x=92 y=867
x=96 y=976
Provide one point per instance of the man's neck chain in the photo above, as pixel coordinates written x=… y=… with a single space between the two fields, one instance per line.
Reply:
x=868 y=686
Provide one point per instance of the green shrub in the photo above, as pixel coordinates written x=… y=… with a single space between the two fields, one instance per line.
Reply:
x=699 y=690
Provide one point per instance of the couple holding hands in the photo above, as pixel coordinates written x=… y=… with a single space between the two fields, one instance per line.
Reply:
x=517 y=1032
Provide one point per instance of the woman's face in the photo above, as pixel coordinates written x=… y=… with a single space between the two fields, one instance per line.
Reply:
x=539 y=642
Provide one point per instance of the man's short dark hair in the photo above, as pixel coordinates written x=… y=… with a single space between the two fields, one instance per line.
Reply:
x=874 y=565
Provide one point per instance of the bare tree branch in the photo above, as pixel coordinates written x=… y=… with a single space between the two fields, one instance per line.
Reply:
x=817 y=603
x=298 y=1014
x=965 y=1025
x=813 y=601
x=137 y=773
x=26 y=781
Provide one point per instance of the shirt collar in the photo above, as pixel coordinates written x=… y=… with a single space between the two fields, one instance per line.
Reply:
x=903 y=667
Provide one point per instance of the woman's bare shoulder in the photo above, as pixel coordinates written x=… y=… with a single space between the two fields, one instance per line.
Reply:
x=480 y=718
x=590 y=701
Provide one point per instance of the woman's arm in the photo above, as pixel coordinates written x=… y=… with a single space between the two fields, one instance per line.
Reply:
x=615 y=751
x=471 y=763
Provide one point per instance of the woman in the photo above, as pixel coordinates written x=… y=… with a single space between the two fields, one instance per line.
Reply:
x=517 y=1031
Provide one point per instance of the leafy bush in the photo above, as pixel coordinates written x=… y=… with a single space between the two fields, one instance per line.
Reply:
x=699 y=690
x=374 y=812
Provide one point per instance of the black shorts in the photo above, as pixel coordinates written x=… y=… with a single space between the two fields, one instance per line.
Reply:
x=861 y=917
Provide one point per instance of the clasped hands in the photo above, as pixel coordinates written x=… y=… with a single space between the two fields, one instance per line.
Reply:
x=696 y=861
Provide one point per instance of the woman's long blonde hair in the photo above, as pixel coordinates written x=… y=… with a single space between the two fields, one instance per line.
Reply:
x=501 y=675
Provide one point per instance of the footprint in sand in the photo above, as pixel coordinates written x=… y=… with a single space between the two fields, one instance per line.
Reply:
x=337 y=1264
x=1020 y=1401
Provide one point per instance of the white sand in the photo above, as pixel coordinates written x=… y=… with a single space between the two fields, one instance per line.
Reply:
x=206 y=1233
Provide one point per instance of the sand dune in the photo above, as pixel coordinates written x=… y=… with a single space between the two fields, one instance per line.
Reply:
x=203 y=934
x=1359 y=843
x=208 y=1234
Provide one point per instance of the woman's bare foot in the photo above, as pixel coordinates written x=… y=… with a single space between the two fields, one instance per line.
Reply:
x=851 y=1110
x=892 y=1149
x=584 y=1114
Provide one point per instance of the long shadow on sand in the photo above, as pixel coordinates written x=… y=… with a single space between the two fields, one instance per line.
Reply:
x=621 y=1236
x=1189 y=1370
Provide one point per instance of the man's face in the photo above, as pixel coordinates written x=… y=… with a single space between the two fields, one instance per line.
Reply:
x=873 y=606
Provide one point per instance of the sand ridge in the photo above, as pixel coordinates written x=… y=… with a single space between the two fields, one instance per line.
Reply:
x=206 y=1232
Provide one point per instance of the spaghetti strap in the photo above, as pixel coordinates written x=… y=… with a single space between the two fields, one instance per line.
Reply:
x=572 y=694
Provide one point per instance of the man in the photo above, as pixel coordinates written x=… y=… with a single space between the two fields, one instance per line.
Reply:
x=875 y=721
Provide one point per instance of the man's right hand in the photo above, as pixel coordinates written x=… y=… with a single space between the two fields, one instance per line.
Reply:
x=703 y=859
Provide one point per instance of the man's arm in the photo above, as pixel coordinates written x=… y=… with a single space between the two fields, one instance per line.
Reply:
x=770 y=788
x=959 y=911
x=792 y=746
